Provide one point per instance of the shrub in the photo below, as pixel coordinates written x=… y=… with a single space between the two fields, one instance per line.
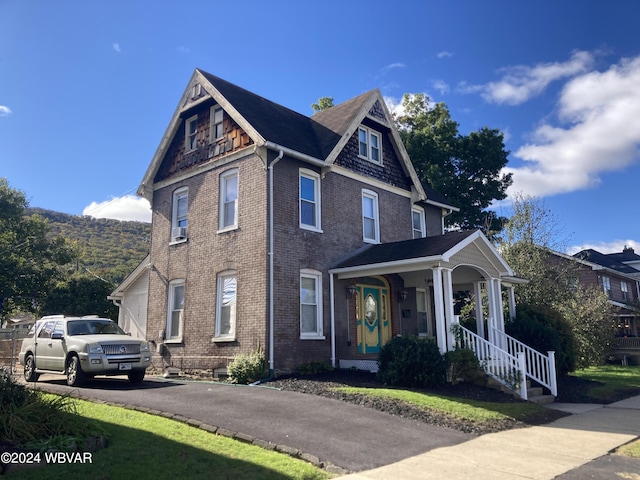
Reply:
x=544 y=329
x=463 y=365
x=30 y=416
x=411 y=362
x=246 y=368
x=313 y=368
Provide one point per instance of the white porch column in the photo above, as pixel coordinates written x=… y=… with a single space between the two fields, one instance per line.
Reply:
x=512 y=302
x=477 y=291
x=438 y=304
x=499 y=310
x=448 y=306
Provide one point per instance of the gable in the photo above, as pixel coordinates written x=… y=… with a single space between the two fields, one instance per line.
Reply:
x=210 y=147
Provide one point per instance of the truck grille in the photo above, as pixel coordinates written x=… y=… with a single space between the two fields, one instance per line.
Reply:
x=121 y=348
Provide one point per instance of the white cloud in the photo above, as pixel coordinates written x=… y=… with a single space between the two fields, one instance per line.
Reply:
x=521 y=83
x=598 y=130
x=116 y=47
x=128 y=207
x=4 y=111
x=441 y=86
x=444 y=54
x=615 y=246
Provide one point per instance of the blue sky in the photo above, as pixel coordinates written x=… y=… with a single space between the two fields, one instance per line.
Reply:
x=87 y=88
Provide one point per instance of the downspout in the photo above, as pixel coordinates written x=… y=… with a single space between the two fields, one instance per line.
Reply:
x=333 y=322
x=271 y=235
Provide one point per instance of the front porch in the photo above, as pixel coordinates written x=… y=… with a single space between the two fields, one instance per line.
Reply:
x=409 y=288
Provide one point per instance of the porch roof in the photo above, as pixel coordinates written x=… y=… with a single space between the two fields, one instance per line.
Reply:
x=414 y=254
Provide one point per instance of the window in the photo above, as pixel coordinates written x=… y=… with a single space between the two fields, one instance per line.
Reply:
x=226 y=306
x=179 y=214
x=191 y=134
x=421 y=309
x=309 y=200
x=310 y=304
x=606 y=285
x=229 y=200
x=175 y=314
x=624 y=286
x=370 y=223
x=215 y=129
x=369 y=144
x=417 y=219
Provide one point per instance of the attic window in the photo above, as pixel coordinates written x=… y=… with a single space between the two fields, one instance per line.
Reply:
x=191 y=134
x=215 y=130
x=369 y=145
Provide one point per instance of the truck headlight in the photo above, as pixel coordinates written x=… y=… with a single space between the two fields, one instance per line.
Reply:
x=92 y=348
x=144 y=347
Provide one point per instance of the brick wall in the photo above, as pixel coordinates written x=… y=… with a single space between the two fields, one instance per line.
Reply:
x=206 y=254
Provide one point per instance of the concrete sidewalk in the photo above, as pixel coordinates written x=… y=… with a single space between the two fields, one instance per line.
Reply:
x=542 y=452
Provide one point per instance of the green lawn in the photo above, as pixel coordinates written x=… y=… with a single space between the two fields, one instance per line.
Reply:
x=148 y=446
x=616 y=381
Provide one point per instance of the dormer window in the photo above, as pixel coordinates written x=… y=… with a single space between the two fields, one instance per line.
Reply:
x=370 y=143
x=417 y=219
x=191 y=134
x=215 y=130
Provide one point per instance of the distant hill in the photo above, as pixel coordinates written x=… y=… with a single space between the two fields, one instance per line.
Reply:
x=110 y=249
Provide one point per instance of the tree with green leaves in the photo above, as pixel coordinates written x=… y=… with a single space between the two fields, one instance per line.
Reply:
x=29 y=261
x=529 y=243
x=466 y=169
x=324 y=103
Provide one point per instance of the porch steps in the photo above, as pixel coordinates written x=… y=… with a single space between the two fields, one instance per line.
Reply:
x=534 y=394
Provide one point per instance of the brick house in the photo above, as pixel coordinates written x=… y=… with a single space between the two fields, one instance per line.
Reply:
x=309 y=237
x=618 y=274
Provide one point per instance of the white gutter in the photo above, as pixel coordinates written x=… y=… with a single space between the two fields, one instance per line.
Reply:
x=271 y=335
x=296 y=154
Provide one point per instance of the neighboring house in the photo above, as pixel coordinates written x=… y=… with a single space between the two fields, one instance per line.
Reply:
x=131 y=297
x=311 y=238
x=616 y=274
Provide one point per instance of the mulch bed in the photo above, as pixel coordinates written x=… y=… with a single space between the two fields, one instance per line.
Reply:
x=572 y=390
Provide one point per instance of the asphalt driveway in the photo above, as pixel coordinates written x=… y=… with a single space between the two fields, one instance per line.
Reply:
x=340 y=433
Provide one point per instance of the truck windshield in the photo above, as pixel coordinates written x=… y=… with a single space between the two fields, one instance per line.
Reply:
x=93 y=327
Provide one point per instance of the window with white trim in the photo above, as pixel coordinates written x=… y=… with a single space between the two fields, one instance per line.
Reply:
x=226 y=306
x=370 y=220
x=310 y=304
x=175 y=313
x=180 y=209
x=215 y=129
x=191 y=134
x=606 y=285
x=229 y=200
x=624 y=287
x=421 y=310
x=369 y=144
x=309 y=201
x=417 y=220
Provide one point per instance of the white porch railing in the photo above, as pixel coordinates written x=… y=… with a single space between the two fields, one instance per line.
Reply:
x=508 y=369
x=627 y=342
x=539 y=367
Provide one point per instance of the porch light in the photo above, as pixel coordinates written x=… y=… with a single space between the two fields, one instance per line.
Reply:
x=351 y=291
x=402 y=296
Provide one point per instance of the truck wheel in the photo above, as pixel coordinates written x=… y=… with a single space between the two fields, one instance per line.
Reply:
x=136 y=376
x=30 y=374
x=75 y=375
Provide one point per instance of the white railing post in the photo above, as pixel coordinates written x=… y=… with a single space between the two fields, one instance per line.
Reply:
x=522 y=370
x=553 y=381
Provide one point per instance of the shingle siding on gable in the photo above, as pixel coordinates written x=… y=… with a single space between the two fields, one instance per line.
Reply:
x=378 y=113
x=389 y=172
x=177 y=160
